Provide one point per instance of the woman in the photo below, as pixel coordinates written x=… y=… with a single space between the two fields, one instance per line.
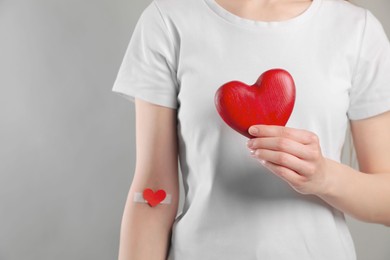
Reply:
x=291 y=205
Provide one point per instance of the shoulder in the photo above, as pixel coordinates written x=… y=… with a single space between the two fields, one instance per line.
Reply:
x=179 y=16
x=168 y=13
x=177 y=7
x=348 y=16
x=343 y=7
x=345 y=12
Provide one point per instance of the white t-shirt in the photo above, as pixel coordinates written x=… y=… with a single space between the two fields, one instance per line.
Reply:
x=182 y=51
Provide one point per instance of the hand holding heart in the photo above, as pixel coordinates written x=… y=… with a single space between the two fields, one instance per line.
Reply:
x=292 y=154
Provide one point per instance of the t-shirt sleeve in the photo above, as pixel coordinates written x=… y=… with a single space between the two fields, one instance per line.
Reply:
x=370 y=91
x=148 y=69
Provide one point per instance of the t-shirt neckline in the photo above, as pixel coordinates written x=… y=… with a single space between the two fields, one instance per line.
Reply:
x=238 y=20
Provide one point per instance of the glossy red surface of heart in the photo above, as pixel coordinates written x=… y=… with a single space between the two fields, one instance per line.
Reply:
x=269 y=101
x=154 y=198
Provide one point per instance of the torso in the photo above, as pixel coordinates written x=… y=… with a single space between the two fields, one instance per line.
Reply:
x=234 y=208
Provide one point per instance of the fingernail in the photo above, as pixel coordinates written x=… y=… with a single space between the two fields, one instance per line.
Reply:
x=253 y=130
x=249 y=143
x=253 y=152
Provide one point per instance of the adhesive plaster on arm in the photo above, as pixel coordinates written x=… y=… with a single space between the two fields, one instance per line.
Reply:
x=153 y=198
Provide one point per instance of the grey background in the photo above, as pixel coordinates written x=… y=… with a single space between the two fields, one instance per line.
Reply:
x=67 y=141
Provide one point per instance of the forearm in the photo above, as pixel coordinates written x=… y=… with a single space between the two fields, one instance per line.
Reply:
x=361 y=195
x=145 y=230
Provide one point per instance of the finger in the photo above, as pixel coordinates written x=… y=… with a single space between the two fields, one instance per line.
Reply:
x=282 y=159
x=291 y=177
x=298 y=135
x=280 y=144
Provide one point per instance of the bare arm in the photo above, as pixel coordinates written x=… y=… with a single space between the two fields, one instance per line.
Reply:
x=145 y=231
x=365 y=194
x=295 y=156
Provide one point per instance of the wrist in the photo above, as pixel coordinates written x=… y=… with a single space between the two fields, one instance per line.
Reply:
x=334 y=179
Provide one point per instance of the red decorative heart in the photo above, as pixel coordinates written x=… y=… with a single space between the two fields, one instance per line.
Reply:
x=154 y=198
x=269 y=101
